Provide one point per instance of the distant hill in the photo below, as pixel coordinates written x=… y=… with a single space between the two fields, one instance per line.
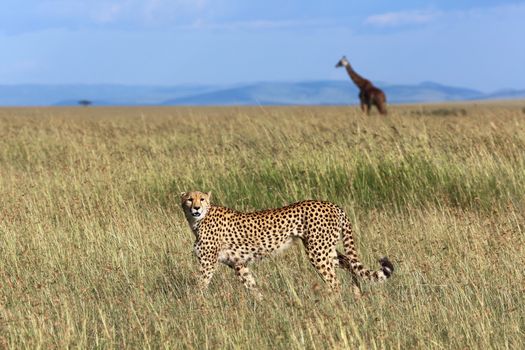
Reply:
x=333 y=93
x=66 y=95
x=340 y=92
x=430 y=92
x=504 y=94
x=301 y=93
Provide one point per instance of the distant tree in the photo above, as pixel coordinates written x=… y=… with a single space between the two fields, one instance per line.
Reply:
x=85 y=103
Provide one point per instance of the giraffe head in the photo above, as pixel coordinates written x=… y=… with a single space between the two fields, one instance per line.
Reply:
x=343 y=62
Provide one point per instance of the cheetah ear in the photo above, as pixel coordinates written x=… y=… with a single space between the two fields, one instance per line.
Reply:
x=183 y=194
x=209 y=195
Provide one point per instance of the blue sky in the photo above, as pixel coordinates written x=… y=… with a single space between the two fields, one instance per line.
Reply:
x=478 y=44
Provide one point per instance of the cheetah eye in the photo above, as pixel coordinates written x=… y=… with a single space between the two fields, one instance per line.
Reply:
x=202 y=199
x=190 y=199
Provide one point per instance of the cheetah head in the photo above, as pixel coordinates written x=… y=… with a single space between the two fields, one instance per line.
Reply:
x=195 y=204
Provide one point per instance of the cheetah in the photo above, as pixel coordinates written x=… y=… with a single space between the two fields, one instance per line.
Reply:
x=237 y=238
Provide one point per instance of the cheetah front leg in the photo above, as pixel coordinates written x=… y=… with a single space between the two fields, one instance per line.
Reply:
x=208 y=265
x=246 y=277
x=207 y=253
x=207 y=269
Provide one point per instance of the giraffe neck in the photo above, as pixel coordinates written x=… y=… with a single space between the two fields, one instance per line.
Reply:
x=356 y=78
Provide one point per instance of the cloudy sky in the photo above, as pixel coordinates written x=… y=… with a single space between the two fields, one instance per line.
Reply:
x=471 y=43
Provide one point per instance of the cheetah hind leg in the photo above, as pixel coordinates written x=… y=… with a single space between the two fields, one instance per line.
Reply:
x=344 y=263
x=323 y=260
x=246 y=277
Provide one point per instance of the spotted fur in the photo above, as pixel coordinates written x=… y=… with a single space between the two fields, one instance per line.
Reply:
x=236 y=238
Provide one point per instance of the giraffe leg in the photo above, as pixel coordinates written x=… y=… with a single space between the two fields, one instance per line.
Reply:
x=379 y=100
x=362 y=100
x=381 y=105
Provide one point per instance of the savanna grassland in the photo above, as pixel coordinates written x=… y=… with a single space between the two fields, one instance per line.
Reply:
x=95 y=251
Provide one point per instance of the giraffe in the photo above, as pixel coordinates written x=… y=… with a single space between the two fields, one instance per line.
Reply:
x=369 y=95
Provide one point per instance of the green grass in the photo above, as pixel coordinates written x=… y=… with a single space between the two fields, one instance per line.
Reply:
x=95 y=251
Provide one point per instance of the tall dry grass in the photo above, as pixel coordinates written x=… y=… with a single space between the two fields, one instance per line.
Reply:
x=95 y=252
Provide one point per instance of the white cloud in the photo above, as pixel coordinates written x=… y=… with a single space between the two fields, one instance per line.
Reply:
x=156 y=12
x=395 y=19
x=108 y=13
x=260 y=24
x=168 y=10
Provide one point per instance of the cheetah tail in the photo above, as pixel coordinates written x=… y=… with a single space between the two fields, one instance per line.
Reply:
x=351 y=262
